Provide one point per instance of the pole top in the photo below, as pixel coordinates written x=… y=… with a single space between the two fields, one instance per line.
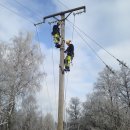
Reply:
x=64 y=12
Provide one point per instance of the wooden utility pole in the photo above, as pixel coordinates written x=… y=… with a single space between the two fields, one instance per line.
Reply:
x=61 y=78
x=61 y=66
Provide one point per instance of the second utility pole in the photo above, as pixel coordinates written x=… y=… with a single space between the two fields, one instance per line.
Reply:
x=61 y=68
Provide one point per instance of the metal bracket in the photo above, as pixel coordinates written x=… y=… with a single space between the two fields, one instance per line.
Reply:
x=56 y=18
x=64 y=12
x=52 y=22
x=55 y=21
x=61 y=13
x=78 y=13
x=39 y=23
x=67 y=16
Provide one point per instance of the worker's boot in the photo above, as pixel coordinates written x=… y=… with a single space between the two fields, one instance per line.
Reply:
x=57 y=45
x=67 y=68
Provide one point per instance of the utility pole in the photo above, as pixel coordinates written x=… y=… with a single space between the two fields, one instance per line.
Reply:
x=61 y=76
x=61 y=66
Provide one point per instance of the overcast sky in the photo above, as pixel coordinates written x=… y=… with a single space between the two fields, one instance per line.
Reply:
x=106 y=21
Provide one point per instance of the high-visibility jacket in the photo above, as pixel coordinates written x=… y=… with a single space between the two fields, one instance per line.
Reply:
x=70 y=50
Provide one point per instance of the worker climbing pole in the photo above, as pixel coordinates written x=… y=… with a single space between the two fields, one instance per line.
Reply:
x=58 y=34
x=70 y=54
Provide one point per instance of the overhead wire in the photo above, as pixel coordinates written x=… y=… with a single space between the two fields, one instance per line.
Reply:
x=16 y=13
x=54 y=77
x=2 y=5
x=63 y=4
x=72 y=40
x=91 y=48
x=28 y=8
x=120 y=62
x=72 y=36
x=67 y=74
x=86 y=43
x=65 y=114
x=94 y=41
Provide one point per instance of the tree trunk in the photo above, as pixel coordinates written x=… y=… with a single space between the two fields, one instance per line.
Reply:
x=10 y=110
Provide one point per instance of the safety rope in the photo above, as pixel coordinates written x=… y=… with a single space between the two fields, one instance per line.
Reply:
x=67 y=82
x=65 y=100
x=86 y=43
x=73 y=29
x=94 y=41
x=45 y=78
x=54 y=84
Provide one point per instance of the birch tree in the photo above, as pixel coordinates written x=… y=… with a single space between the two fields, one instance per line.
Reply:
x=20 y=72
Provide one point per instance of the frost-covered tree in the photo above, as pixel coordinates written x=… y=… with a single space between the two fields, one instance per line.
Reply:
x=107 y=108
x=74 y=109
x=124 y=86
x=48 y=122
x=20 y=73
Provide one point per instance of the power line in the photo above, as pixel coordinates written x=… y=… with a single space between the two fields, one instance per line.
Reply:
x=94 y=41
x=37 y=37
x=86 y=43
x=90 y=46
x=16 y=13
x=120 y=62
x=68 y=7
x=27 y=8
x=63 y=4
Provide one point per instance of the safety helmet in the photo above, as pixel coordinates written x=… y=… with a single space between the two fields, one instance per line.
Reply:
x=68 y=42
